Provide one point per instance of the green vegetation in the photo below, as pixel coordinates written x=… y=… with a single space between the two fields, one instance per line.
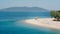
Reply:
x=55 y=14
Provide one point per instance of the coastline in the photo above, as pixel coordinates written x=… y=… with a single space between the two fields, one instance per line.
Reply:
x=44 y=22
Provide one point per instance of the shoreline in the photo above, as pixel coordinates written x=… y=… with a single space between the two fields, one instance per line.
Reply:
x=44 y=22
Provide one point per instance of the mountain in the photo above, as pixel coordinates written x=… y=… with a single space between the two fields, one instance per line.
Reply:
x=31 y=9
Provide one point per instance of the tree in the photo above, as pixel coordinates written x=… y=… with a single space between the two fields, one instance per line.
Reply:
x=55 y=14
x=52 y=13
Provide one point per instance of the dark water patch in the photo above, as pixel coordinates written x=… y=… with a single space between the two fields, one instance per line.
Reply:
x=22 y=30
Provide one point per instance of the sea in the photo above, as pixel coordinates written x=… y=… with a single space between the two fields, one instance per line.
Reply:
x=11 y=23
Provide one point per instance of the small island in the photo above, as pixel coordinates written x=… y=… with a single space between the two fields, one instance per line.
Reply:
x=44 y=22
x=53 y=22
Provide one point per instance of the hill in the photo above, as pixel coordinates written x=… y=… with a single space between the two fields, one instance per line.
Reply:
x=31 y=9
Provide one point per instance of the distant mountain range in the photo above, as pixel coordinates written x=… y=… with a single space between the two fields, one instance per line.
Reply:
x=31 y=9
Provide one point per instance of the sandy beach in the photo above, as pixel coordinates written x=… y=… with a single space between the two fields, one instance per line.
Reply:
x=44 y=22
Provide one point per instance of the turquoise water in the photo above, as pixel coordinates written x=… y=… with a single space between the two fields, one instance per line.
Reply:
x=10 y=23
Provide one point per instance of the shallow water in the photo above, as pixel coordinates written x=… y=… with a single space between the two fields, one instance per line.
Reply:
x=10 y=23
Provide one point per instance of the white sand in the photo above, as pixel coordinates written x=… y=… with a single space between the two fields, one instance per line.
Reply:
x=44 y=22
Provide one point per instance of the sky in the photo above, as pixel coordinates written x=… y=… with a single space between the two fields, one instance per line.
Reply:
x=46 y=4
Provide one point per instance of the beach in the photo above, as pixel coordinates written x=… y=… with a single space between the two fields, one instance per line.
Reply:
x=44 y=22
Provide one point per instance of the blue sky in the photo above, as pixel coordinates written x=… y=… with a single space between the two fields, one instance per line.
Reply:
x=47 y=4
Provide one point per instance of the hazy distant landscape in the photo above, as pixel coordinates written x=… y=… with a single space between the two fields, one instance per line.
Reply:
x=24 y=9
